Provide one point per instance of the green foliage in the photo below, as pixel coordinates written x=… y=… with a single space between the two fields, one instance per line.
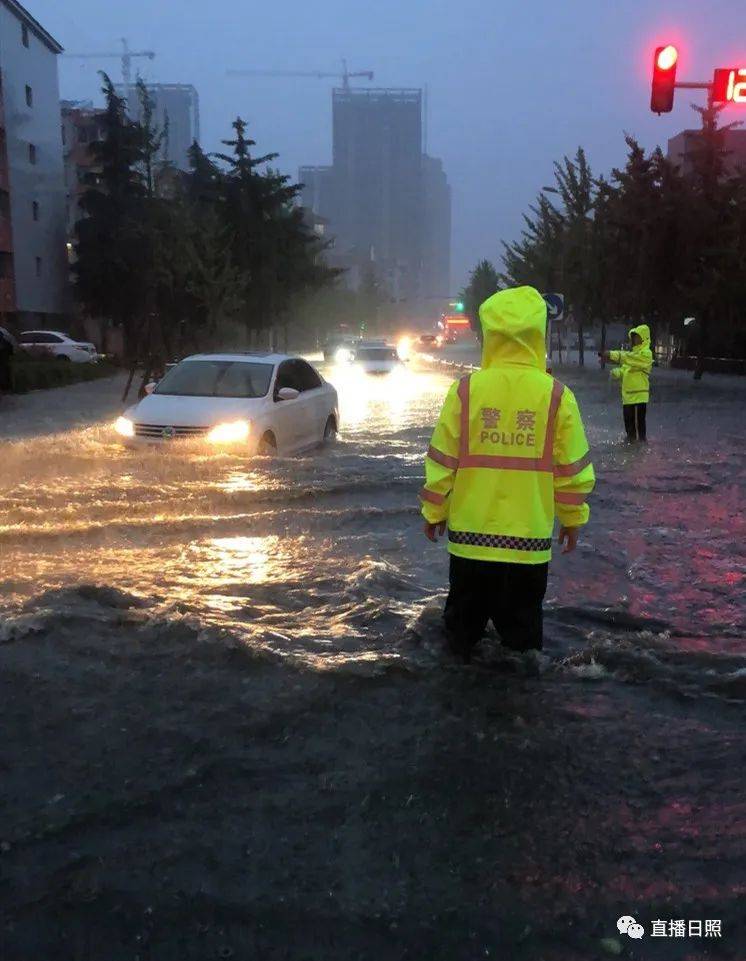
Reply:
x=172 y=257
x=650 y=243
x=483 y=283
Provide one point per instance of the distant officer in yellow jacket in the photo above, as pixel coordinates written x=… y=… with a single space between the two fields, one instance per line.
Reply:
x=508 y=453
x=633 y=373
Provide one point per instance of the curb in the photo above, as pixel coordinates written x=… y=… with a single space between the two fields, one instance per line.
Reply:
x=448 y=364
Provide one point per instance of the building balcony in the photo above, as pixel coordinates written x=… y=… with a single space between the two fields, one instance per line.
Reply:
x=7 y=295
x=6 y=235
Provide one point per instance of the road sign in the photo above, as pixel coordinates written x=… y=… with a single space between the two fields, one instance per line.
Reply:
x=555 y=306
x=729 y=85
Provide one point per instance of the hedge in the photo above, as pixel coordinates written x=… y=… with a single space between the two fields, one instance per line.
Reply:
x=29 y=375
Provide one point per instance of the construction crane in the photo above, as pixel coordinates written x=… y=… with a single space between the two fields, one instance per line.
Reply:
x=126 y=56
x=345 y=75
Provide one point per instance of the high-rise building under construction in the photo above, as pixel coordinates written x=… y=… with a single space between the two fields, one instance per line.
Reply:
x=387 y=205
x=175 y=113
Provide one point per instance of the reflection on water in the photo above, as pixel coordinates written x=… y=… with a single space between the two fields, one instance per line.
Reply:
x=251 y=557
x=323 y=553
x=392 y=401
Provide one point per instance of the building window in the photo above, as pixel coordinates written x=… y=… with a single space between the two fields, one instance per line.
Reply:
x=38 y=266
x=82 y=135
x=29 y=96
x=32 y=153
x=35 y=209
x=24 y=34
x=6 y=265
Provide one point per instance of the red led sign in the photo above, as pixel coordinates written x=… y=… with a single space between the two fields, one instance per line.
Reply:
x=729 y=85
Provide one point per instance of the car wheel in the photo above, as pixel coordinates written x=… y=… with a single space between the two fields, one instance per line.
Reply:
x=268 y=445
x=330 y=430
x=62 y=357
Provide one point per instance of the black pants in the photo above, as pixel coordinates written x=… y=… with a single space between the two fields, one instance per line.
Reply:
x=510 y=595
x=635 y=421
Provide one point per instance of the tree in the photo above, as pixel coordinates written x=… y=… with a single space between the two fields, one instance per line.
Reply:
x=713 y=208
x=484 y=281
x=172 y=258
x=110 y=265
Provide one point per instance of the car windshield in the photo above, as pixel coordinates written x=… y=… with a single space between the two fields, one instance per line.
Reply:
x=376 y=353
x=216 y=378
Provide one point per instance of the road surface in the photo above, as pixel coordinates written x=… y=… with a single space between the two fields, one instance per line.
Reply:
x=230 y=728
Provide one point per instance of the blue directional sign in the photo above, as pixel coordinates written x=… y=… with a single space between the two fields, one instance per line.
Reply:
x=555 y=306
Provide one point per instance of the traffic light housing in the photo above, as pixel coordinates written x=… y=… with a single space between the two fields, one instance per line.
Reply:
x=664 y=79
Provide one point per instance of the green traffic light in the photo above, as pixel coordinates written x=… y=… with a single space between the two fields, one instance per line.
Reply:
x=460 y=307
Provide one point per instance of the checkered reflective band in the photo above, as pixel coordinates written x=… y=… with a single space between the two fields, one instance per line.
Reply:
x=505 y=541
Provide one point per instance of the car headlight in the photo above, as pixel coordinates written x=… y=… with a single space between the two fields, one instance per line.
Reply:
x=232 y=433
x=343 y=356
x=124 y=427
x=404 y=348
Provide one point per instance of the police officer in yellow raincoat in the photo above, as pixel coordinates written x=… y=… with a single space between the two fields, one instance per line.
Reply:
x=633 y=373
x=508 y=454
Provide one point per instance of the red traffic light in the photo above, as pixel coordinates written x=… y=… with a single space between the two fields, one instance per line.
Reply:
x=664 y=79
x=666 y=57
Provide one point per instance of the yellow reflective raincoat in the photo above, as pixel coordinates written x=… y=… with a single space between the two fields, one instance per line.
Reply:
x=634 y=368
x=509 y=449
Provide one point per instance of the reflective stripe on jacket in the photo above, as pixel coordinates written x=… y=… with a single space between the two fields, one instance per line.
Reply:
x=634 y=368
x=509 y=450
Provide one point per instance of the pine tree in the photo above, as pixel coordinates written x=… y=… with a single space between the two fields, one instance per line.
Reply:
x=484 y=281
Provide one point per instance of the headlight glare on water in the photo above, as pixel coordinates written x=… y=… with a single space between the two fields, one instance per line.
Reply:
x=124 y=427
x=343 y=356
x=231 y=433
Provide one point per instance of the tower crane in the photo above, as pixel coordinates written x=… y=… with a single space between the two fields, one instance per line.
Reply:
x=345 y=74
x=126 y=56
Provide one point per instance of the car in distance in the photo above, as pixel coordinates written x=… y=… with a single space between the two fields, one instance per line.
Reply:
x=58 y=345
x=376 y=357
x=429 y=342
x=256 y=403
x=339 y=349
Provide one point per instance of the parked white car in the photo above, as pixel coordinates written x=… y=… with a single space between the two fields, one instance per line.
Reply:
x=59 y=345
x=376 y=357
x=258 y=403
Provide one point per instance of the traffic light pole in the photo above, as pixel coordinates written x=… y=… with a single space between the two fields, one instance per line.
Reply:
x=692 y=85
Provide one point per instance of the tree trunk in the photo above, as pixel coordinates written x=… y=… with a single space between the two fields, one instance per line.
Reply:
x=701 y=347
x=146 y=374
x=129 y=381
x=603 y=344
x=581 y=345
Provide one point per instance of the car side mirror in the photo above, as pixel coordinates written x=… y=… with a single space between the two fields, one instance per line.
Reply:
x=288 y=393
x=149 y=388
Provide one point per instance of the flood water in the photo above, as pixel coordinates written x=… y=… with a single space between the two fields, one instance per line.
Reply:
x=231 y=730
x=321 y=557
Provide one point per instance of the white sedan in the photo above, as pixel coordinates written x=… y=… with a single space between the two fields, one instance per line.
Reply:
x=376 y=357
x=60 y=346
x=258 y=403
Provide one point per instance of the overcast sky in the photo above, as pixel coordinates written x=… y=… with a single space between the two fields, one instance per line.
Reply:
x=512 y=86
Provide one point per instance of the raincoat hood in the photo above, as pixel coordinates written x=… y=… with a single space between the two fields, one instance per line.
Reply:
x=643 y=332
x=514 y=325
